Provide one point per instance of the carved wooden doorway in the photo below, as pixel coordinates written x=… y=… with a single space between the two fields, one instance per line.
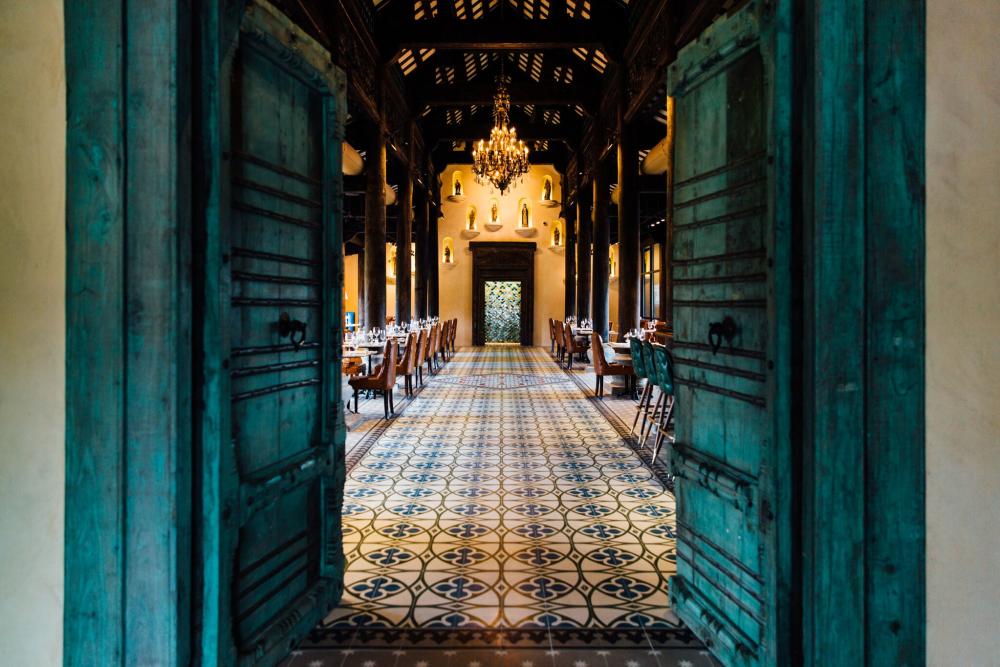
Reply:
x=503 y=262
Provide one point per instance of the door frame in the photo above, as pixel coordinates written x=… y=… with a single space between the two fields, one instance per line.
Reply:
x=135 y=185
x=503 y=261
x=858 y=344
x=857 y=226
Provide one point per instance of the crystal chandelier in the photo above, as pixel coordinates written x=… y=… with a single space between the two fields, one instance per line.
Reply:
x=504 y=158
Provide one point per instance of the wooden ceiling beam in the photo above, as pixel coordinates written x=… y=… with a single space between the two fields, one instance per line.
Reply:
x=436 y=132
x=495 y=34
x=466 y=94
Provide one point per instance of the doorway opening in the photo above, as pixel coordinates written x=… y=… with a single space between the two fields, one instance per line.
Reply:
x=502 y=311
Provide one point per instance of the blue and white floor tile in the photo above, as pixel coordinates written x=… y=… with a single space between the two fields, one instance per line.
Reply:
x=502 y=519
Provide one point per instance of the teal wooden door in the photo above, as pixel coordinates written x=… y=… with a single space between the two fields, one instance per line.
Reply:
x=272 y=478
x=729 y=270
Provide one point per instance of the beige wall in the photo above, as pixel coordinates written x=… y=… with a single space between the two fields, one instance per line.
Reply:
x=32 y=337
x=550 y=267
x=963 y=325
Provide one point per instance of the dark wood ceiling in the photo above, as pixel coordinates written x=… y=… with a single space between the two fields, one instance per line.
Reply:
x=426 y=70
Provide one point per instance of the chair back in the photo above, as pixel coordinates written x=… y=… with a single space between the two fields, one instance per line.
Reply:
x=420 y=349
x=454 y=332
x=407 y=363
x=443 y=339
x=435 y=332
x=638 y=363
x=568 y=337
x=597 y=351
x=557 y=332
x=389 y=364
x=664 y=369
x=649 y=362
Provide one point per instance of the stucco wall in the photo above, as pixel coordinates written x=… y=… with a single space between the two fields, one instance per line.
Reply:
x=550 y=266
x=32 y=334
x=963 y=325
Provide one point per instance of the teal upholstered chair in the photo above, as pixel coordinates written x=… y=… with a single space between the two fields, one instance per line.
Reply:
x=653 y=381
x=665 y=381
x=639 y=364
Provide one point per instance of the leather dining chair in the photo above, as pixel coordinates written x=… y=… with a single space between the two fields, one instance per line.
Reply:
x=560 y=345
x=443 y=341
x=451 y=337
x=433 y=347
x=603 y=367
x=573 y=345
x=407 y=364
x=382 y=378
x=423 y=343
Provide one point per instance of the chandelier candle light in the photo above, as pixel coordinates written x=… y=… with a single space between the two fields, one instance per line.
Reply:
x=504 y=159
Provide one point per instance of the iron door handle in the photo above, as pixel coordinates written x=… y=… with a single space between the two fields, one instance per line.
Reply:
x=717 y=331
x=289 y=328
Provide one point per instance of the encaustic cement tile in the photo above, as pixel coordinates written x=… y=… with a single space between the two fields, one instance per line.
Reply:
x=503 y=502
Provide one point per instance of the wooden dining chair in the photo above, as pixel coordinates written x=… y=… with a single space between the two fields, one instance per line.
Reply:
x=573 y=345
x=560 y=345
x=454 y=333
x=423 y=343
x=432 y=348
x=382 y=378
x=603 y=367
x=407 y=363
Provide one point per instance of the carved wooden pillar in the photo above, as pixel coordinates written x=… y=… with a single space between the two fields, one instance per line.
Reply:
x=601 y=268
x=583 y=237
x=666 y=261
x=569 y=239
x=629 y=251
x=421 y=255
x=433 y=309
x=404 y=226
x=375 y=230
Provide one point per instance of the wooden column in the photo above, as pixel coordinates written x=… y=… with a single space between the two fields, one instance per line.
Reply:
x=375 y=231
x=601 y=269
x=569 y=238
x=360 y=317
x=666 y=312
x=421 y=255
x=629 y=269
x=404 y=226
x=433 y=309
x=583 y=238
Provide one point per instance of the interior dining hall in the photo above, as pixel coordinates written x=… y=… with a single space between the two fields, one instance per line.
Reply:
x=499 y=333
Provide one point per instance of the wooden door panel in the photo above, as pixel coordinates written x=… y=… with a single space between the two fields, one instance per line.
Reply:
x=280 y=459
x=720 y=270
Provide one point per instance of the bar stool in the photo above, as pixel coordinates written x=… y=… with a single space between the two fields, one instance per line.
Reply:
x=665 y=375
x=651 y=411
x=639 y=364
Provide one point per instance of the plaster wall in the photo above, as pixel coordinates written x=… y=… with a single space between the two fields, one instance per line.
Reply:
x=963 y=322
x=32 y=334
x=456 y=278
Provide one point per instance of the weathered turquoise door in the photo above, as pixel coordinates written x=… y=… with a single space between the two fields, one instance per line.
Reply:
x=270 y=552
x=730 y=281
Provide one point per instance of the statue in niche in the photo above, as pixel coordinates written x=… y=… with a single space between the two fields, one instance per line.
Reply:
x=457 y=188
x=472 y=219
x=524 y=216
x=447 y=255
x=392 y=262
x=555 y=236
x=547 y=190
x=494 y=213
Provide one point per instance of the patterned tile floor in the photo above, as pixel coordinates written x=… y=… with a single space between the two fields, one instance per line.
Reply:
x=502 y=519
